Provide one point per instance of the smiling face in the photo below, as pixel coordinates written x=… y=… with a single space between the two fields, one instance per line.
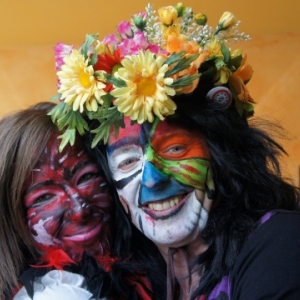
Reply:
x=161 y=173
x=67 y=201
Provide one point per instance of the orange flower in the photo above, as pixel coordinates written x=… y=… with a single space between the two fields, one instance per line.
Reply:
x=239 y=79
x=192 y=70
x=178 y=44
x=245 y=71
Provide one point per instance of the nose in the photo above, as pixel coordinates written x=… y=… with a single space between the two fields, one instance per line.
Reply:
x=153 y=183
x=76 y=208
x=152 y=178
x=156 y=185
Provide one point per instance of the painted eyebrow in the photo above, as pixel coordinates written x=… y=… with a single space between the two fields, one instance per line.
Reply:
x=70 y=173
x=38 y=185
x=122 y=142
x=67 y=172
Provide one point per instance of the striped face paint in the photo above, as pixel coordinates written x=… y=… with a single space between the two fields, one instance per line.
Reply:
x=162 y=174
x=67 y=201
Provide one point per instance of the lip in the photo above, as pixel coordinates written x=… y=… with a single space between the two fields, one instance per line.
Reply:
x=166 y=208
x=85 y=236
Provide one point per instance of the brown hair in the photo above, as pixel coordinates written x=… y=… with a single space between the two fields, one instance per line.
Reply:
x=23 y=137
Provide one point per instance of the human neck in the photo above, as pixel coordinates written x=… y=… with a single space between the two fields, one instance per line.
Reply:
x=179 y=259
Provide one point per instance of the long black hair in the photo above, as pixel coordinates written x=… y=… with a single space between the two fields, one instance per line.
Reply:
x=247 y=176
x=136 y=252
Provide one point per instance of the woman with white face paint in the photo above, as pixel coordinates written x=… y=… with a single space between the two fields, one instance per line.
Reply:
x=192 y=173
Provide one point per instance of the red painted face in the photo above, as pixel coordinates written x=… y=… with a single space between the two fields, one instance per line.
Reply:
x=67 y=201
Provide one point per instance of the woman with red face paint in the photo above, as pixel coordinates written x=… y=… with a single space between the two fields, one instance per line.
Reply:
x=168 y=105
x=57 y=219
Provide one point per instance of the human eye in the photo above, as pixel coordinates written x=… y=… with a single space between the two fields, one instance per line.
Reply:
x=125 y=159
x=35 y=199
x=86 y=175
x=128 y=163
x=176 y=150
x=43 y=198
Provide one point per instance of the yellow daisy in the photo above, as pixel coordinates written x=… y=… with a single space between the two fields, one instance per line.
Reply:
x=147 y=91
x=78 y=84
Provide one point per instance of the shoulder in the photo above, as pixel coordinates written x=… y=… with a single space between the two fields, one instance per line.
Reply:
x=268 y=266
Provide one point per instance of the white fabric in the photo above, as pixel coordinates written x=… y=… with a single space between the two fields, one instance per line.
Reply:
x=57 y=285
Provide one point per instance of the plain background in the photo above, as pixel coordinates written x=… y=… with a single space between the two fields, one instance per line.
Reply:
x=30 y=28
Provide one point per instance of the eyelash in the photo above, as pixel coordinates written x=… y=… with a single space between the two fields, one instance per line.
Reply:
x=86 y=177
x=128 y=162
x=42 y=198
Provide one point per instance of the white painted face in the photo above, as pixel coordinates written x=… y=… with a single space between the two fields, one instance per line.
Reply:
x=161 y=173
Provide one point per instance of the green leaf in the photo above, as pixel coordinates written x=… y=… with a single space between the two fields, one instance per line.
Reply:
x=113 y=117
x=208 y=74
x=89 y=40
x=107 y=100
x=94 y=59
x=219 y=63
x=58 y=111
x=67 y=137
x=226 y=53
x=115 y=81
x=236 y=61
x=184 y=63
x=174 y=57
x=73 y=120
x=185 y=80
x=56 y=97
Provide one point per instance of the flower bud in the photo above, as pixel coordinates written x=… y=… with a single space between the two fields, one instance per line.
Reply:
x=124 y=29
x=167 y=15
x=227 y=20
x=140 y=20
x=200 y=19
x=180 y=8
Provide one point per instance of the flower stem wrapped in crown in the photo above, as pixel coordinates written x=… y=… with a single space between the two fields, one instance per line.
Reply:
x=137 y=71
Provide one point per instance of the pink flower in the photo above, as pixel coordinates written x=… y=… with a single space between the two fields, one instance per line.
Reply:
x=129 y=47
x=133 y=45
x=155 y=49
x=124 y=29
x=61 y=51
x=141 y=40
x=111 y=40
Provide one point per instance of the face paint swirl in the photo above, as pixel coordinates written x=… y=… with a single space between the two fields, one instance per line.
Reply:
x=67 y=201
x=161 y=172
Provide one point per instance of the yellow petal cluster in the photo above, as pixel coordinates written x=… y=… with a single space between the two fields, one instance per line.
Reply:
x=167 y=15
x=227 y=20
x=147 y=91
x=78 y=84
x=214 y=48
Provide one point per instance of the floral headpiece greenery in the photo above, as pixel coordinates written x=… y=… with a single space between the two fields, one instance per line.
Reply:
x=136 y=71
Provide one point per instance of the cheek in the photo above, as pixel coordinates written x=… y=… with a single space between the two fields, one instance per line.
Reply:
x=97 y=194
x=130 y=192
x=49 y=216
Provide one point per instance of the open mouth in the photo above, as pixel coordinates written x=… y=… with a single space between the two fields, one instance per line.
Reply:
x=165 y=208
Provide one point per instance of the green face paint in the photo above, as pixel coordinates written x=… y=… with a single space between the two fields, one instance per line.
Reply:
x=190 y=171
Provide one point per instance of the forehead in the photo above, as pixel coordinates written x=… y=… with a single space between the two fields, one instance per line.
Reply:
x=67 y=158
x=137 y=133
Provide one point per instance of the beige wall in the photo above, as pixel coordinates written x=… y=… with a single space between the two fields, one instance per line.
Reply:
x=30 y=29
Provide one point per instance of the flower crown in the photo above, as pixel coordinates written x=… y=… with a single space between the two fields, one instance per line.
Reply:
x=137 y=71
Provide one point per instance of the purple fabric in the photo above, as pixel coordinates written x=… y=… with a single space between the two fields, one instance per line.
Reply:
x=222 y=290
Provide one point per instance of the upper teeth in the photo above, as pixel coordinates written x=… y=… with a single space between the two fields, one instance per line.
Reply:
x=165 y=204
